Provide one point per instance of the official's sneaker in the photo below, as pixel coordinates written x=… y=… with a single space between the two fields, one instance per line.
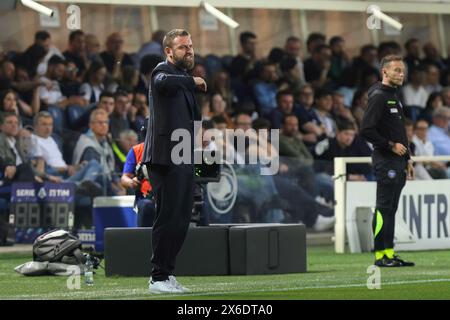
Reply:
x=177 y=285
x=385 y=262
x=165 y=286
x=403 y=263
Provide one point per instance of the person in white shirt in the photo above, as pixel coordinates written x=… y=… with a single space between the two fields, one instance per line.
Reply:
x=424 y=147
x=93 y=87
x=50 y=159
x=52 y=95
x=414 y=93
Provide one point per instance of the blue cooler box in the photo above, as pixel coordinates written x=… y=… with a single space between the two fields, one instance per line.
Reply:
x=112 y=212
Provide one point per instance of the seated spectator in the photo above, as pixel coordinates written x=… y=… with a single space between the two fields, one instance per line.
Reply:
x=318 y=66
x=54 y=95
x=76 y=52
x=106 y=103
x=31 y=58
x=221 y=84
x=313 y=130
x=432 y=56
x=218 y=108
x=414 y=93
x=92 y=48
x=433 y=78
x=244 y=62
x=139 y=111
x=439 y=131
x=127 y=80
x=424 y=147
x=314 y=40
x=8 y=79
x=285 y=107
x=265 y=88
x=345 y=144
x=114 y=57
x=322 y=108
x=297 y=162
x=121 y=147
x=46 y=149
x=434 y=101
x=293 y=48
x=290 y=76
x=339 y=109
x=93 y=86
x=10 y=103
x=420 y=173
x=359 y=105
x=446 y=95
x=412 y=57
x=69 y=82
x=119 y=117
x=94 y=145
x=15 y=162
x=339 y=58
x=28 y=97
x=44 y=39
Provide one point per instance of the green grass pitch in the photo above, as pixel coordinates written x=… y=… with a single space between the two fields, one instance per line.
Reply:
x=329 y=276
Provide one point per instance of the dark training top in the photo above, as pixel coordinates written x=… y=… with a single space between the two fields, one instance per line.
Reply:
x=384 y=121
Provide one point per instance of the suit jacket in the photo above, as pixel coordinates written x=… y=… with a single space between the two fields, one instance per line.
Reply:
x=7 y=155
x=172 y=106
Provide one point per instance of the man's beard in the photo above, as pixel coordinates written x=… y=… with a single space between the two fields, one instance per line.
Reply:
x=184 y=63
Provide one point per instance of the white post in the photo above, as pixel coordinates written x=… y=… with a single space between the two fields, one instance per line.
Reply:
x=340 y=177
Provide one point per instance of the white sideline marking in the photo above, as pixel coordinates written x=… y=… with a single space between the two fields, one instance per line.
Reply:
x=303 y=288
x=130 y=292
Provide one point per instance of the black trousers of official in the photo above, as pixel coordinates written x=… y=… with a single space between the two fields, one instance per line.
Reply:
x=391 y=175
x=173 y=187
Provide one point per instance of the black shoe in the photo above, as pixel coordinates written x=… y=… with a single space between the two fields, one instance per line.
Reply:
x=385 y=262
x=403 y=263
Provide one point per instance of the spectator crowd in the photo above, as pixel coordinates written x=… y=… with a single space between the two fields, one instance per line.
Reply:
x=72 y=114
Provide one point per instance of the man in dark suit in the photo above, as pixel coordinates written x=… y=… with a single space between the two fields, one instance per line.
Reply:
x=172 y=107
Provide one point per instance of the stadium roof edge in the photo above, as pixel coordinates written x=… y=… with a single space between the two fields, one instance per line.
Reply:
x=407 y=6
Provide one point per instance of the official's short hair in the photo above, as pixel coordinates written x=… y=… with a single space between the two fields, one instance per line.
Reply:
x=40 y=115
x=388 y=59
x=172 y=34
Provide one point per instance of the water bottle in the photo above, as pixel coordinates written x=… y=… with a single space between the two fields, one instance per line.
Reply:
x=89 y=272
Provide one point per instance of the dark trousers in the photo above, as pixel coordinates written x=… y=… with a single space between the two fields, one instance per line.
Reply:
x=173 y=187
x=391 y=178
